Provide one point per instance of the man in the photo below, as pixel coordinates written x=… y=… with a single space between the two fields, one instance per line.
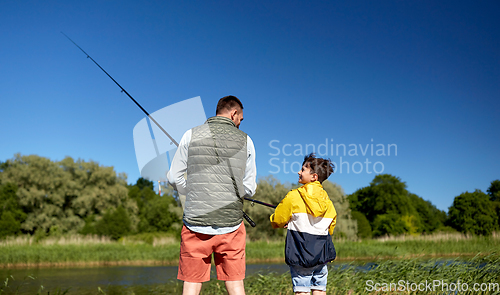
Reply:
x=220 y=163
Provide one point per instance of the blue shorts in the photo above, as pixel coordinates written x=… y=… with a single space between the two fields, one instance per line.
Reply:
x=307 y=279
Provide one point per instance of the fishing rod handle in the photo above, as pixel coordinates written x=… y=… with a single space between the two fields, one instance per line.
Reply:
x=248 y=219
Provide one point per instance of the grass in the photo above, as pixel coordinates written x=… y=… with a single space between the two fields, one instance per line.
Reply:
x=5 y=287
x=411 y=274
x=389 y=248
x=417 y=247
x=164 y=250
x=100 y=254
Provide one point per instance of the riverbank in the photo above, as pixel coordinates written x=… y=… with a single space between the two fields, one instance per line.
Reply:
x=94 y=252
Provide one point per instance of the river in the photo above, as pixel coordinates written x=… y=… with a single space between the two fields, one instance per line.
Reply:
x=86 y=279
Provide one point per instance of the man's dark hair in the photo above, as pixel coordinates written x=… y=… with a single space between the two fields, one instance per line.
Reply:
x=227 y=103
x=322 y=167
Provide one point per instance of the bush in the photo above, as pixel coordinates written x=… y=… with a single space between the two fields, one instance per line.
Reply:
x=389 y=224
x=11 y=214
x=114 y=224
x=159 y=215
x=364 y=228
x=9 y=226
x=473 y=213
x=89 y=227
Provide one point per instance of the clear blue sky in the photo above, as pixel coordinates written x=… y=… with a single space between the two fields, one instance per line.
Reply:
x=421 y=75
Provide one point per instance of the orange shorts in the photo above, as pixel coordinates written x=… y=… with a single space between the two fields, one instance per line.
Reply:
x=196 y=255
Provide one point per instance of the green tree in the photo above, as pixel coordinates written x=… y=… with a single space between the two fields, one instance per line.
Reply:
x=431 y=218
x=142 y=192
x=364 y=227
x=387 y=197
x=473 y=213
x=142 y=183
x=390 y=197
x=94 y=189
x=60 y=195
x=346 y=225
x=90 y=226
x=156 y=213
x=11 y=213
x=271 y=191
x=494 y=190
x=386 y=194
x=496 y=207
x=9 y=226
x=494 y=193
x=161 y=214
x=389 y=224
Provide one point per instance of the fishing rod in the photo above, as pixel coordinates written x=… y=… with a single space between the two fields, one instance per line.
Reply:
x=124 y=91
x=259 y=202
x=247 y=218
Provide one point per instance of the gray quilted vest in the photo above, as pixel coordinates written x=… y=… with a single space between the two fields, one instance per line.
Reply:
x=216 y=165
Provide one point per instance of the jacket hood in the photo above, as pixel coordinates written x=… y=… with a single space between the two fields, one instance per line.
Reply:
x=315 y=198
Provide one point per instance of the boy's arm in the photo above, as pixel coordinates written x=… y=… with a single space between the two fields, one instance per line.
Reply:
x=282 y=213
x=334 y=221
x=332 y=225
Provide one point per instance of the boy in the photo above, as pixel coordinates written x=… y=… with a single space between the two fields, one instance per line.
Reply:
x=310 y=217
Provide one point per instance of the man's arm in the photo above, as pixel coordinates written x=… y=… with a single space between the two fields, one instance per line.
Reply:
x=179 y=165
x=249 y=180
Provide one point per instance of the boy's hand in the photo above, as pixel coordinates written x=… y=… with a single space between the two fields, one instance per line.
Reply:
x=286 y=225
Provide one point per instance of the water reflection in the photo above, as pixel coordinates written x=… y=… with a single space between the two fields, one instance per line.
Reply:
x=89 y=279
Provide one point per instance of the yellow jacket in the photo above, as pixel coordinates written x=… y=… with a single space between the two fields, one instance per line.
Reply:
x=311 y=219
x=311 y=199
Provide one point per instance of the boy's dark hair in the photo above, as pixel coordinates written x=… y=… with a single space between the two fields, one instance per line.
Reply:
x=228 y=103
x=322 y=167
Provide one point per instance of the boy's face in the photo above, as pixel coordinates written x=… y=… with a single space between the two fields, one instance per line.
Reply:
x=306 y=175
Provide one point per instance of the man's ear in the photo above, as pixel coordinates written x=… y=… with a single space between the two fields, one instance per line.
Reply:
x=233 y=113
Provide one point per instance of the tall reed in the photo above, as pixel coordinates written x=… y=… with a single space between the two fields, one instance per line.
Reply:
x=153 y=249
